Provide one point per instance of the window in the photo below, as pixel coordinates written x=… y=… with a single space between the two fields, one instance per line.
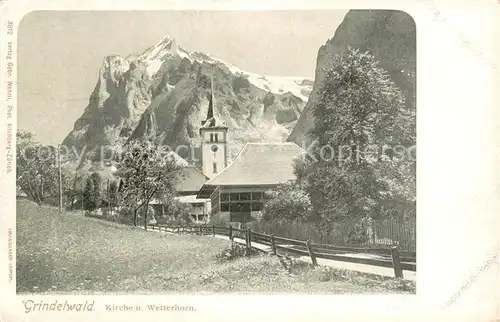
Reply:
x=211 y=137
x=256 y=206
x=256 y=195
x=214 y=168
x=245 y=196
x=240 y=207
x=224 y=206
x=224 y=196
x=216 y=137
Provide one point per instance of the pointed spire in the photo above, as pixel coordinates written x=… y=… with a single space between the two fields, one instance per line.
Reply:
x=210 y=120
x=210 y=113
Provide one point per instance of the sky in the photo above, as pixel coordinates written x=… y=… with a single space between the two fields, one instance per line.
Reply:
x=60 y=52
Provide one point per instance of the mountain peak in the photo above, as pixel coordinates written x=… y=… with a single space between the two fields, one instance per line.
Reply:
x=167 y=45
x=155 y=55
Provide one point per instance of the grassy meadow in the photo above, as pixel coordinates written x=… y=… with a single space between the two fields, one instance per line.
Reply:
x=71 y=254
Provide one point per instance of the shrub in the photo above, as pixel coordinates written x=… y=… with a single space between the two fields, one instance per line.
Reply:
x=287 y=202
x=177 y=213
x=92 y=195
x=233 y=252
x=398 y=284
x=357 y=235
x=325 y=274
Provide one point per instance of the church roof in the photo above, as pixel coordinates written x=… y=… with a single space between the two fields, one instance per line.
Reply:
x=191 y=180
x=257 y=164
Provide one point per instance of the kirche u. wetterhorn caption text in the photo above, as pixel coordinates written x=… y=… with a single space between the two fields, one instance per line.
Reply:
x=158 y=308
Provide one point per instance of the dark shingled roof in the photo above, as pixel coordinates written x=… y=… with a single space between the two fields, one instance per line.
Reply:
x=258 y=164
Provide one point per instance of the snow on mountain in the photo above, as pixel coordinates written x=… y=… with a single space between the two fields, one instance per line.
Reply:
x=155 y=56
x=163 y=92
x=298 y=86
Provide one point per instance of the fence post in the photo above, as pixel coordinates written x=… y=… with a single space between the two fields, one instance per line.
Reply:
x=273 y=244
x=250 y=237
x=230 y=232
x=311 y=253
x=213 y=230
x=396 y=261
x=247 y=242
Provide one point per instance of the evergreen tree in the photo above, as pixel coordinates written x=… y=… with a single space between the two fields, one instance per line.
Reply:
x=362 y=130
x=92 y=194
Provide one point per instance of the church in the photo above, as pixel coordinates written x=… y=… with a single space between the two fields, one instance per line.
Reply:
x=236 y=192
x=233 y=192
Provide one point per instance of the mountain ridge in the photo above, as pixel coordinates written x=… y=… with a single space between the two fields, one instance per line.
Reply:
x=163 y=91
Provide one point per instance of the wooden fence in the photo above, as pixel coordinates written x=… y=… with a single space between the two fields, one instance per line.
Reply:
x=383 y=233
x=388 y=256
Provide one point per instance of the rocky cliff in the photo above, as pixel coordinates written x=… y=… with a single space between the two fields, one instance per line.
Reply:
x=388 y=35
x=164 y=91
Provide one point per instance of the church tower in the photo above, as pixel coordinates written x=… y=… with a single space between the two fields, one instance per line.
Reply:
x=213 y=141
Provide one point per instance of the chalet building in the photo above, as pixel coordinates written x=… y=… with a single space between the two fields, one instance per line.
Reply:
x=237 y=192
x=191 y=182
x=187 y=189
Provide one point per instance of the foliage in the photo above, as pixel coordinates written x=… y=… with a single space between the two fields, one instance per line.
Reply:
x=358 y=164
x=288 y=201
x=113 y=193
x=150 y=214
x=37 y=173
x=92 y=193
x=176 y=212
x=146 y=172
x=234 y=251
x=357 y=235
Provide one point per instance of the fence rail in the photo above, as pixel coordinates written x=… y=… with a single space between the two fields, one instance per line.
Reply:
x=380 y=233
x=386 y=256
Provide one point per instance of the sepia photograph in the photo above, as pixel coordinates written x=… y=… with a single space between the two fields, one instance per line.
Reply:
x=214 y=152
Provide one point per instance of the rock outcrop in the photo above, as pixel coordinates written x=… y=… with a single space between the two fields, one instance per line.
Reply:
x=388 y=35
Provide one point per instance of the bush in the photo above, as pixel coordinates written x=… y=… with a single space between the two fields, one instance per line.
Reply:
x=176 y=213
x=92 y=195
x=357 y=235
x=398 y=284
x=233 y=252
x=288 y=202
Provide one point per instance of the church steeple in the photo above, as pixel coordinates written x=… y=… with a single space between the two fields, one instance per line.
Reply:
x=213 y=140
x=211 y=102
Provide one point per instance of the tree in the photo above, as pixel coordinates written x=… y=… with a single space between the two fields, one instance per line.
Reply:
x=69 y=188
x=177 y=213
x=92 y=193
x=287 y=202
x=113 y=193
x=36 y=168
x=146 y=172
x=354 y=168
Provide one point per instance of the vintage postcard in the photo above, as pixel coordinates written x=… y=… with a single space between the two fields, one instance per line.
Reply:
x=249 y=161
